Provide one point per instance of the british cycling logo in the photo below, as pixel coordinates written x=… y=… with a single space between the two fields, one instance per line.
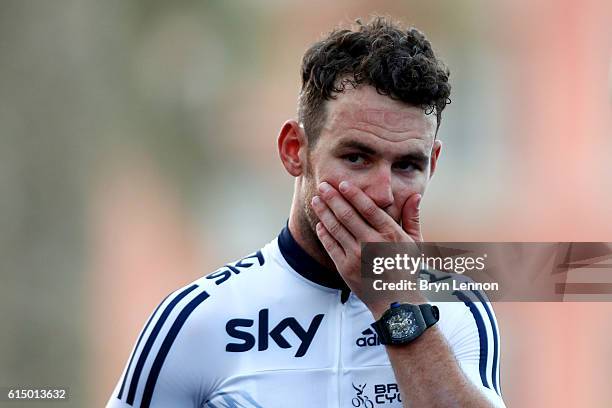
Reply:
x=276 y=333
x=369 y=339
x=360 y=399
x=383 y=394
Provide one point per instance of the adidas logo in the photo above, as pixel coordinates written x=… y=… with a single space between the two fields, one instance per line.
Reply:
x=370 y=339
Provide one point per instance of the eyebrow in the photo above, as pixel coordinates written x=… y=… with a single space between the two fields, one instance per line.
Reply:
x=353 y=144
x=416 y=157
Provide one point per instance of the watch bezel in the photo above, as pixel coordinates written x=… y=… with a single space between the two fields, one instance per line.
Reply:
x=403 y=308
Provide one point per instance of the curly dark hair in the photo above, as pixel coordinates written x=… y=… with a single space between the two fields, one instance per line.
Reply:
x=398 y=63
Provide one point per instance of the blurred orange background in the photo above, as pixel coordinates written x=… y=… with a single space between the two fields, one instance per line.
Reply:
x=138 y=154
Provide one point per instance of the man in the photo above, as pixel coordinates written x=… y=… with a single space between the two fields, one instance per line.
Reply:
x=289 y=325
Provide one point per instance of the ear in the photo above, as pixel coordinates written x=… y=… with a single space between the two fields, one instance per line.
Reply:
x=292 y=145
x=435 y=155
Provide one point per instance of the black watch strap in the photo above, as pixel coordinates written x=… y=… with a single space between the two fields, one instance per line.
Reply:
x=430 y=313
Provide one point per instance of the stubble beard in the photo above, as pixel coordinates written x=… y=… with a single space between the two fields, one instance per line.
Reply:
x=309 y=219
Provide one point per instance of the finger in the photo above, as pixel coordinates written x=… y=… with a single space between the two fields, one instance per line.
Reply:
x=330 y=244
x=345 y=212
x=372 y=213
x=332 y=225
x=411 y=217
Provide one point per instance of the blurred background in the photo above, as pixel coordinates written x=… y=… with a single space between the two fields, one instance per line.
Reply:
x=137 y=153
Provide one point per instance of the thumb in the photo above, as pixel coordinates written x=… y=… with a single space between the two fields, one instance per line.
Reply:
x=411 y=217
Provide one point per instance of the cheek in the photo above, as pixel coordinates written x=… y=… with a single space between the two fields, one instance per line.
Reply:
x=333 y=173
x=405 y=187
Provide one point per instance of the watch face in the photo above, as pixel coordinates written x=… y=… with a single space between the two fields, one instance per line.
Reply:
x=402 y=325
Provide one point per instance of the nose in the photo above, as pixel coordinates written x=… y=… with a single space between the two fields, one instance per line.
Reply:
x=379 y=187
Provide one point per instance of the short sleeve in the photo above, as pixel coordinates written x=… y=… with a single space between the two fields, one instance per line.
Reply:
x=167 y=367
x=475 y=342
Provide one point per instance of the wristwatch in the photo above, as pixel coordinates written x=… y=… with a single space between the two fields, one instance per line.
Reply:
x=404 y=322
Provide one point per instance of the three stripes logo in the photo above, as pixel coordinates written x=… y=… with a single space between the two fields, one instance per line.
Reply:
x=369 y=339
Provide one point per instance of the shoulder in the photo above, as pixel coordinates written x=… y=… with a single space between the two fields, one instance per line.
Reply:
x=184 y=336
x=210 y=293
x=219 y=293
x=200 y=308
x=227 y=273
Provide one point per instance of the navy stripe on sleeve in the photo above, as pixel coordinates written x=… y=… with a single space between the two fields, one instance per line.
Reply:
x=127 y=371
x=482 y=334
x=165 y=348
x=150 y=340
x=495 y=367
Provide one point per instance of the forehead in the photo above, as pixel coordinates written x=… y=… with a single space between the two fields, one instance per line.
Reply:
x=363 y=111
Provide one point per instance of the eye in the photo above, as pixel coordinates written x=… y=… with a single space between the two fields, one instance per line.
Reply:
x=405 y=166
x=354 y=158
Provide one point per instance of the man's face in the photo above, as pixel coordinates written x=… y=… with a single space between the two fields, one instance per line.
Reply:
x=380 y=145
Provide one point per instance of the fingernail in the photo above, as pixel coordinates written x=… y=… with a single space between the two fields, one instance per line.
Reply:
x=344 y=186
x=418 y=203
x=324 y=187
x=316 y=200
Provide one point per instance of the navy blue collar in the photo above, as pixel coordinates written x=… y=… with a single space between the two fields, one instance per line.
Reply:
x=306 y=265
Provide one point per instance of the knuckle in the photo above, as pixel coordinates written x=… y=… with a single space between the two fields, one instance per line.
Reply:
x=389 y=235
x=370 y=211
x=345 y=215
x=334 y=228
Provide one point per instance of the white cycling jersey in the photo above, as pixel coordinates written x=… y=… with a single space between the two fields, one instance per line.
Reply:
x=275 y=329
